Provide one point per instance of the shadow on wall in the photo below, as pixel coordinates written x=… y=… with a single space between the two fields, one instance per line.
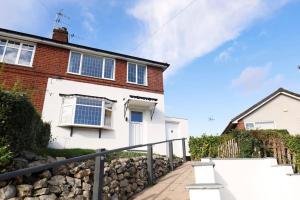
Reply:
x=225 y=193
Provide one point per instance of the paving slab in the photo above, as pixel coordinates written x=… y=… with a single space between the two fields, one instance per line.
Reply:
x=170 y=187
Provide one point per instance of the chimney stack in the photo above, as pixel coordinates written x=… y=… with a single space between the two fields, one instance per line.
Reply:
x=60 y=34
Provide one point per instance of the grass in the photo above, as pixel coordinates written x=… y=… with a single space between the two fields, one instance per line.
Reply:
x=70 y=153
x=67 y=153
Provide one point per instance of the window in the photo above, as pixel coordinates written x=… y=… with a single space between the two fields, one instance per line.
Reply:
x=93 y=66
x=137 y=74
x=13 y=52
x=260 y=125
x=136 y=116
x=265 y=125
x=249 y=126
x=86 y=111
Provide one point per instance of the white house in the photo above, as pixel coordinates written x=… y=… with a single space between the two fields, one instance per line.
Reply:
x=93 y=98
x=279 y=110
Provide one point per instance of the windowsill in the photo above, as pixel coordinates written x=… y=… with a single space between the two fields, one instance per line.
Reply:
x=91 y=76
x=85 y=126
x=19 y=65
x=145 y=85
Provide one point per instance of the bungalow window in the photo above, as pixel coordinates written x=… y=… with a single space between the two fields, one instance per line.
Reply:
x=137 y=73
x=86 y=111
x=92 y=66
x=13 y=52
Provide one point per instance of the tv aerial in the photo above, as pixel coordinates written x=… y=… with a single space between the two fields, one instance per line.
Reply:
x=211 y=118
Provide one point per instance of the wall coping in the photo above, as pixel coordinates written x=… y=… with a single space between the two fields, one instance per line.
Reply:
x=204 y=186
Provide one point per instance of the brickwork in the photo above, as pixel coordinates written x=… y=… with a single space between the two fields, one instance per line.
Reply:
x=52 y=62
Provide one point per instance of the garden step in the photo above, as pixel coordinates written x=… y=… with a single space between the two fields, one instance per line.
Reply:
x=209 y=191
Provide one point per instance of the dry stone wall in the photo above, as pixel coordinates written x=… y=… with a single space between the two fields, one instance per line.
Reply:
x=123 y=178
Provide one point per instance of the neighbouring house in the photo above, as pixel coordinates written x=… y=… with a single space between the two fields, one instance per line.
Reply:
x=279 y=110
x=93 y=98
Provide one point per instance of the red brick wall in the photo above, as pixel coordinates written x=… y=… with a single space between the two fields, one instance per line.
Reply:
x=240 y=125
x=53 y=62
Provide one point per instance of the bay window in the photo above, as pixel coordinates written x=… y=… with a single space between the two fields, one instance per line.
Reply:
x=14 y=52
x=90 y=65
x=86 y=111
x=137 y=74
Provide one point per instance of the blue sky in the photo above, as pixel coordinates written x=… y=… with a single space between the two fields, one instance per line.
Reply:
x=224 y=55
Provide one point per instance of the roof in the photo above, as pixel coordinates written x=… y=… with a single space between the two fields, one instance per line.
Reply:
x=259 y=104
x=35 y=38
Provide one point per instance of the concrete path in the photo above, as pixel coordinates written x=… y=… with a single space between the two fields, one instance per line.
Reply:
x=170 y=187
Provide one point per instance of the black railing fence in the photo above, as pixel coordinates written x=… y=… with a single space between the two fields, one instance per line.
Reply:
x=99 y=157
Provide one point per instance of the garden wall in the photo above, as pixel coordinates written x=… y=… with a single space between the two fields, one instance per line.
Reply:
x=124 y=177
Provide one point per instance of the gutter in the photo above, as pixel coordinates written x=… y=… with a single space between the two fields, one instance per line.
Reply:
x=83 y=49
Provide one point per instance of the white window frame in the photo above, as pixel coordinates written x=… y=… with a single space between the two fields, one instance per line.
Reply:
x=19 y=51
x=74 y=103
x=254 y=123
x=266 y=121
x=250 y=123
x=80 y=66
x=136 y=74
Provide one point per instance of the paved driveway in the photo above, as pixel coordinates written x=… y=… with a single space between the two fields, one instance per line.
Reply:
x=170 y=187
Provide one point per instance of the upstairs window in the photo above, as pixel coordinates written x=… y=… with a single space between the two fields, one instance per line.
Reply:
x=86 y=111
x=137 y=74
x=93 y=66
x=13 y=52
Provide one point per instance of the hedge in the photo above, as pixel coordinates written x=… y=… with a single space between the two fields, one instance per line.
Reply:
x=21 y=127
x=248 y=142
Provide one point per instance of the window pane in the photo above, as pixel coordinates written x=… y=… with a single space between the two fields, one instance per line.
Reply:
x=1 y=52
x=249 y=126
x=10 y=55
x=74 y=62
x=136 y=116
x=131 y=72
x=3 y=42
x=88 y=115
x=27 y=47
x=25 y=57
x=107 y=119
x=92 y=66
x=141 y=74
x=265 y=125
x=13 y=44
x=89 y=101
x=109 y=68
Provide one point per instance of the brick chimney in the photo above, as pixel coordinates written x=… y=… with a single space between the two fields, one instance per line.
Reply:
x=60 y=34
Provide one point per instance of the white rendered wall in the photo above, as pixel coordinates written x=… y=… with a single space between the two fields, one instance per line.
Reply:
x=89 y=138
x=204 y=194
x=255 y=179
x=283 y=110
x=179 y=126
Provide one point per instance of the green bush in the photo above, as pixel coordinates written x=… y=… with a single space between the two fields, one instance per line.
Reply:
x=5 y=156
x=250 y=143
x=21 y=126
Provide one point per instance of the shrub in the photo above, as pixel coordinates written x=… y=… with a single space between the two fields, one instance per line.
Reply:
x=5 y=156
x=21 y=126
x=250 y=143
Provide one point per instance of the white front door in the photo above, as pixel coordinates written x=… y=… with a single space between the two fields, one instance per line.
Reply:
x=136 y=128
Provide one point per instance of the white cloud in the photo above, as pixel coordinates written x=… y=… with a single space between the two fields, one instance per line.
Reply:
x=225 y=55
x=88 y=20
x=199 y=29
x=252 y=79
x=22 y=15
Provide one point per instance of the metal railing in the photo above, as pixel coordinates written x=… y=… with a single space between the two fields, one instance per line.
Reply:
x=99 y=157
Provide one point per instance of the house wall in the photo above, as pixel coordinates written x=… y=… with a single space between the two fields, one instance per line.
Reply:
x=179 y=128
x=52 y=62
x=89 y=138
x=283 y=110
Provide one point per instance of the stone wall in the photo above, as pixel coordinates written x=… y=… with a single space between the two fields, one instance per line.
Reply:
x=124 y=177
